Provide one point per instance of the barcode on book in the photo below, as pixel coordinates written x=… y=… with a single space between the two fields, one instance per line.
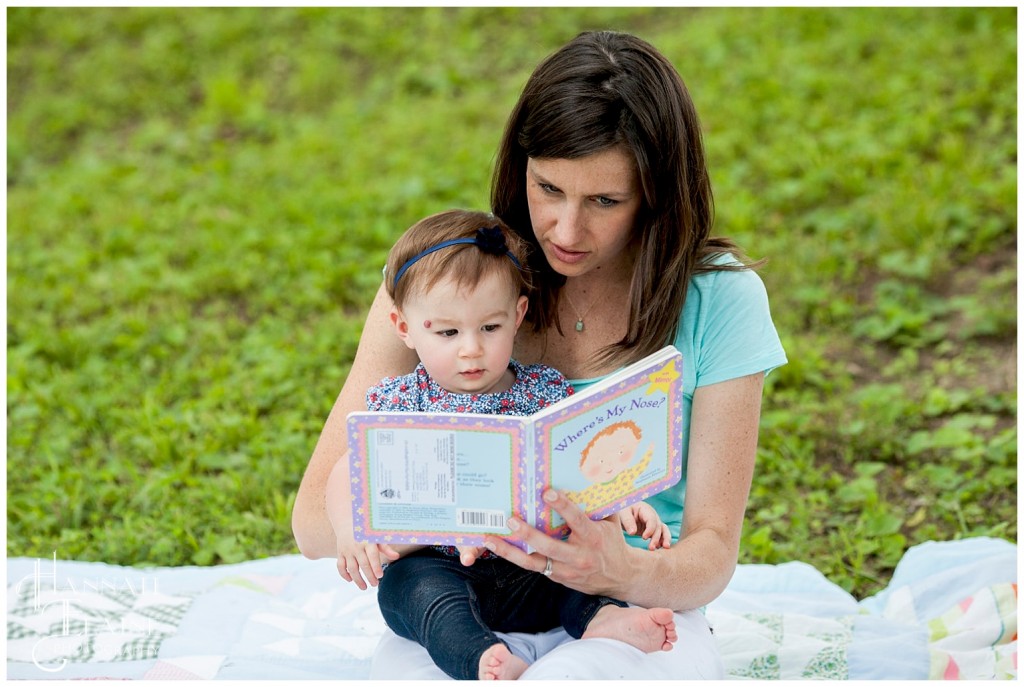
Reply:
x=492 y=519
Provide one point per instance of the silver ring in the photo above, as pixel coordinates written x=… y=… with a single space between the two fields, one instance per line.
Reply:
x=547 y=568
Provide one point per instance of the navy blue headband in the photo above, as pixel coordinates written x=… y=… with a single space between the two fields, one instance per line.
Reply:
x=489 y=239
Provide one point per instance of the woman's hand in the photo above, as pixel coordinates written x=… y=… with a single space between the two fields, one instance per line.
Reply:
x=594 y=559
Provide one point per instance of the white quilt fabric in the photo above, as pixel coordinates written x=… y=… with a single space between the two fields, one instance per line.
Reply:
x=950 y=612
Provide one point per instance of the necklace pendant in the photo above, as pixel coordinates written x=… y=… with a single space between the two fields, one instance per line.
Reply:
x=579 y=325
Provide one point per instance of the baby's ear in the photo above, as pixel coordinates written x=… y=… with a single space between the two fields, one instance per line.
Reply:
x=401 y=326
x=521 y=305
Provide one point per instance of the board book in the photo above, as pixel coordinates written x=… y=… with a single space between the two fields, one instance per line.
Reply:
x=445 y=478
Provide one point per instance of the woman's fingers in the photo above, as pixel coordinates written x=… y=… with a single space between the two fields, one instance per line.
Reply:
x=544 y=547
x=570 y=558
x=575 y=518
x=513 y=554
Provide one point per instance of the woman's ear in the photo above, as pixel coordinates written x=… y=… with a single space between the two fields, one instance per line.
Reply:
x=521 y=305
x=401 y=326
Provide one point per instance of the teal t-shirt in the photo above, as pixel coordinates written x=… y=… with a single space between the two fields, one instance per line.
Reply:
x=726 y=332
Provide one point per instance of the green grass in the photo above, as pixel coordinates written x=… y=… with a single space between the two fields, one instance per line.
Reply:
x=199 y=200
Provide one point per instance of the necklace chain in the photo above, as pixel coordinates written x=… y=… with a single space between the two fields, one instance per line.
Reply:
x=579 y=317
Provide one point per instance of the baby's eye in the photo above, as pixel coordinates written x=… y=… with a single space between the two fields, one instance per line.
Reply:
x=448 y=333
x=491 y=327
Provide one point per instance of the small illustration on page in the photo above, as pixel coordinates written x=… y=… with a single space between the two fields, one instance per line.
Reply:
x=605 y=461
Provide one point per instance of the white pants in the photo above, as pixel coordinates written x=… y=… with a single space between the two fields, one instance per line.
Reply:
x=554 y=655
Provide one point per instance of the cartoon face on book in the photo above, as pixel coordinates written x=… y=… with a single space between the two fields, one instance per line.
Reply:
x=610 y=451
x=607 y=464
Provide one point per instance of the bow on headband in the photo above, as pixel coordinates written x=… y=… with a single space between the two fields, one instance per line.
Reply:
x=488 y=239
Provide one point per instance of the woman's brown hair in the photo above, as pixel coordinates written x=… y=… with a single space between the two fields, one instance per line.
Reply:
x=601 y=90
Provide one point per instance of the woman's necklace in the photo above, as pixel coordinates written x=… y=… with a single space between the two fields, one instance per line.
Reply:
x=579 y=317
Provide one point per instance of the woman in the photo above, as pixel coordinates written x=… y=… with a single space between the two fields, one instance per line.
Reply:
x=602 y=169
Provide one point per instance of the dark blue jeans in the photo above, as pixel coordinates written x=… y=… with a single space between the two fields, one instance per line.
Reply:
x=453 y=611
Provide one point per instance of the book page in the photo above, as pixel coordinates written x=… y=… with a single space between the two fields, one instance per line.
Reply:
x=426 y=482
x=621 y=445
x=416 y=467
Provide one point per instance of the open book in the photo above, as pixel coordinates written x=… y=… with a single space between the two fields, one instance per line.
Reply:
x=439 y=478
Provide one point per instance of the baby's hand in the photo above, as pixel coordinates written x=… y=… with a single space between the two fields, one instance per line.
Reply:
x=641 y=518
x=357 y=560
x=469 y=554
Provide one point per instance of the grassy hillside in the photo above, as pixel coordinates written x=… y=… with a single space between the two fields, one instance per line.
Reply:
x=198 y=200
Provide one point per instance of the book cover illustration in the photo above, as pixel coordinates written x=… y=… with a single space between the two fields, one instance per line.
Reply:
x=619 y=446
x=434 y=478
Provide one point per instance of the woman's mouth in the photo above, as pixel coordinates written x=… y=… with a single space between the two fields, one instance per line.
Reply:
x=568 y=256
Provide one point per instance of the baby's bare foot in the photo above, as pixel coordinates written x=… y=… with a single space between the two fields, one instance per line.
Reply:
x=648 y=629
x=498 y=663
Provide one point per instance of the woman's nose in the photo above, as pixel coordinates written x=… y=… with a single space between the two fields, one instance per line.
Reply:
x=568 y=224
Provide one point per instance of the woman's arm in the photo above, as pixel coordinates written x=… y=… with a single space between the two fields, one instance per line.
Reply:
x=380 y=354
x=596 y=559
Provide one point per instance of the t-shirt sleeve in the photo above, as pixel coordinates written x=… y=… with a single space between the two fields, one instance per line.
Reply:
x=731 y=327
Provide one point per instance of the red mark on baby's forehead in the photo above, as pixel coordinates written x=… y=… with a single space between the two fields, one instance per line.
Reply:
x=426 y=324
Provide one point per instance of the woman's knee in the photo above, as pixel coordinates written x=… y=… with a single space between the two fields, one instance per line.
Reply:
x=695 y=656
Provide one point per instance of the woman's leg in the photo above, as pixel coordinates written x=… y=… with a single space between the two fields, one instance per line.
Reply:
x=695 y=656
x=556 y=656
x=401 y=659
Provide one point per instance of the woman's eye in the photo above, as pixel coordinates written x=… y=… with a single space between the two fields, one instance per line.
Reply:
x=606 y=202
x=548 y=188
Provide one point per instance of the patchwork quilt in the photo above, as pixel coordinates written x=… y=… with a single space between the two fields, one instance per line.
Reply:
x=949 y=612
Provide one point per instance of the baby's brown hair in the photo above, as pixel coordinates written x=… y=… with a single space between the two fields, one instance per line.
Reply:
x=483 y=245
x=611 y=429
